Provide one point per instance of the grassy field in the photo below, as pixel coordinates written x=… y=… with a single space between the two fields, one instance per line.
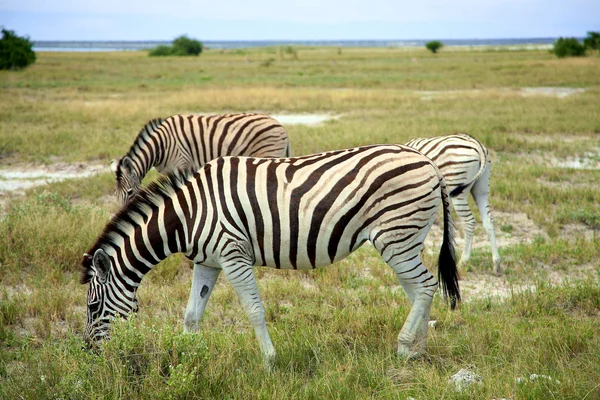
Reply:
x=335 y=329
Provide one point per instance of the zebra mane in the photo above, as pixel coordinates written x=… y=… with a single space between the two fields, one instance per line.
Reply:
x=148 y=128
x=143 y=204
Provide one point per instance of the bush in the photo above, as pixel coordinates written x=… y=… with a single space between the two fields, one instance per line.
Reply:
x=15 y=51
x=182 y=46
x=161 y=50
x=434 y=46
x=592 y=41
x=186 y=46
x=568 y=47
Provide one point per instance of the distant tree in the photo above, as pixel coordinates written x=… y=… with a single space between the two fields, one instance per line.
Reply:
x=592 y=41
x=182 y=46
x=185 y=46
x=568 y=47
x=15 y=51
x=434 y=46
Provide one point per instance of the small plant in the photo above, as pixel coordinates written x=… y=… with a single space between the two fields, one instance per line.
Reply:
x=568 y=47
x=15 y=51
x=434 y=46
x=182 y=46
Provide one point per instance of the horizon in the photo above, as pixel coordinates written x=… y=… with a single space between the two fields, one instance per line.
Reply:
x=305 y=40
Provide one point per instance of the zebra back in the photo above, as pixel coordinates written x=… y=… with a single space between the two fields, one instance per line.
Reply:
x=461 y=158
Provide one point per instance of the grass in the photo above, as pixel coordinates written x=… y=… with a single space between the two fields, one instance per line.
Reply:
x=335 y=329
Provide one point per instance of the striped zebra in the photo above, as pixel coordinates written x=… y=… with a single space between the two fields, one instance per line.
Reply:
x=186 y=142
x=291 y=213
x=466 y=165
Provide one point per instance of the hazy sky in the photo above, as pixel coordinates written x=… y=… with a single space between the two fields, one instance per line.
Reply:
x=298 y=19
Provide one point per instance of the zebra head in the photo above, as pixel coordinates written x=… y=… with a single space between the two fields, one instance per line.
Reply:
x=128 y=181
x=105 y=299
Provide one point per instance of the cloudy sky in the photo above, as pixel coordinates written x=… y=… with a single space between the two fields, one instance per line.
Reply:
x=298 y=19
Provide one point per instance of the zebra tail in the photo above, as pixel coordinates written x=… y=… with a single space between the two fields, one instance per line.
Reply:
x=447 y=269
x=288 y=150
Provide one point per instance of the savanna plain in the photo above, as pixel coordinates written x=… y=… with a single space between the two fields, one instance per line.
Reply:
x=335 y=329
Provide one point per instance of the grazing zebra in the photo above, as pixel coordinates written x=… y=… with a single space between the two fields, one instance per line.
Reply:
x=291 y=213
x=186 y=142
x=466 y=165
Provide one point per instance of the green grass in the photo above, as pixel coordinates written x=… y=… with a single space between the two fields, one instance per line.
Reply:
x=335 y=329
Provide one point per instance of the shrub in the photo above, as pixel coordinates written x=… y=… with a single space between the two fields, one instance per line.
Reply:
x=186 y=46
x=15 y=51
x=568 y=47
x=434 y=46
x=592 y=41
x=182 y=46
x=161 y=50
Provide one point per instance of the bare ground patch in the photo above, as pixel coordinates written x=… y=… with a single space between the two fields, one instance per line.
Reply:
x=511 y=229
x=16 y=179
x=558 y=92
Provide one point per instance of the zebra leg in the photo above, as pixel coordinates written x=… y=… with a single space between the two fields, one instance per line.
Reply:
x=244 y=284
x=420 y=286
x=481 y=193
x=467 y=221
x=203 y=283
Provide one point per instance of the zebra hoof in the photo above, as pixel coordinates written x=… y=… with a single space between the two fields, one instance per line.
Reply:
x=498 y=268
x=269 y=362
x=407 y=353
x=191 y=327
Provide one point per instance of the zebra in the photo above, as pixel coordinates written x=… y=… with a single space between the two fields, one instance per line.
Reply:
x=466 y=165
x=288 y=213
x=186 y=142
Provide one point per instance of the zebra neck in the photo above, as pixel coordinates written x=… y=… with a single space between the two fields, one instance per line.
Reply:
x=144 y=155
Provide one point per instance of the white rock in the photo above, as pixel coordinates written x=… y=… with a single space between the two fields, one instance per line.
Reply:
x=432 y=324
x=465 y=378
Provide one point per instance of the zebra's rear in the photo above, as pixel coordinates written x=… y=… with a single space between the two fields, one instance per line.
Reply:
x=466 y=166
x=461 y=158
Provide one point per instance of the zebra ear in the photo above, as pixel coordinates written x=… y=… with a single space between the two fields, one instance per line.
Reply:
x=127 y=165
x=114 y=166
x=101 y=264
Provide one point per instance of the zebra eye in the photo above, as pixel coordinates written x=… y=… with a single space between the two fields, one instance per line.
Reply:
x=94 y=304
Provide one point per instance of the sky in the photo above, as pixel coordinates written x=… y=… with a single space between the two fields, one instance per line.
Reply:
x=298 y=19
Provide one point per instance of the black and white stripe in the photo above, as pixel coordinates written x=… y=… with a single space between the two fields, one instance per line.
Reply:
x=186 y=142
x=291 y=213
x=466 y=165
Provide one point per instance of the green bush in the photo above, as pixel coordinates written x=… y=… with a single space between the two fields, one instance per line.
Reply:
x=182 y=46
x=434 y=46
x=15 y=51
x=592 y=41
x=161 y=50
x=187 y=46
x=568 y=47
